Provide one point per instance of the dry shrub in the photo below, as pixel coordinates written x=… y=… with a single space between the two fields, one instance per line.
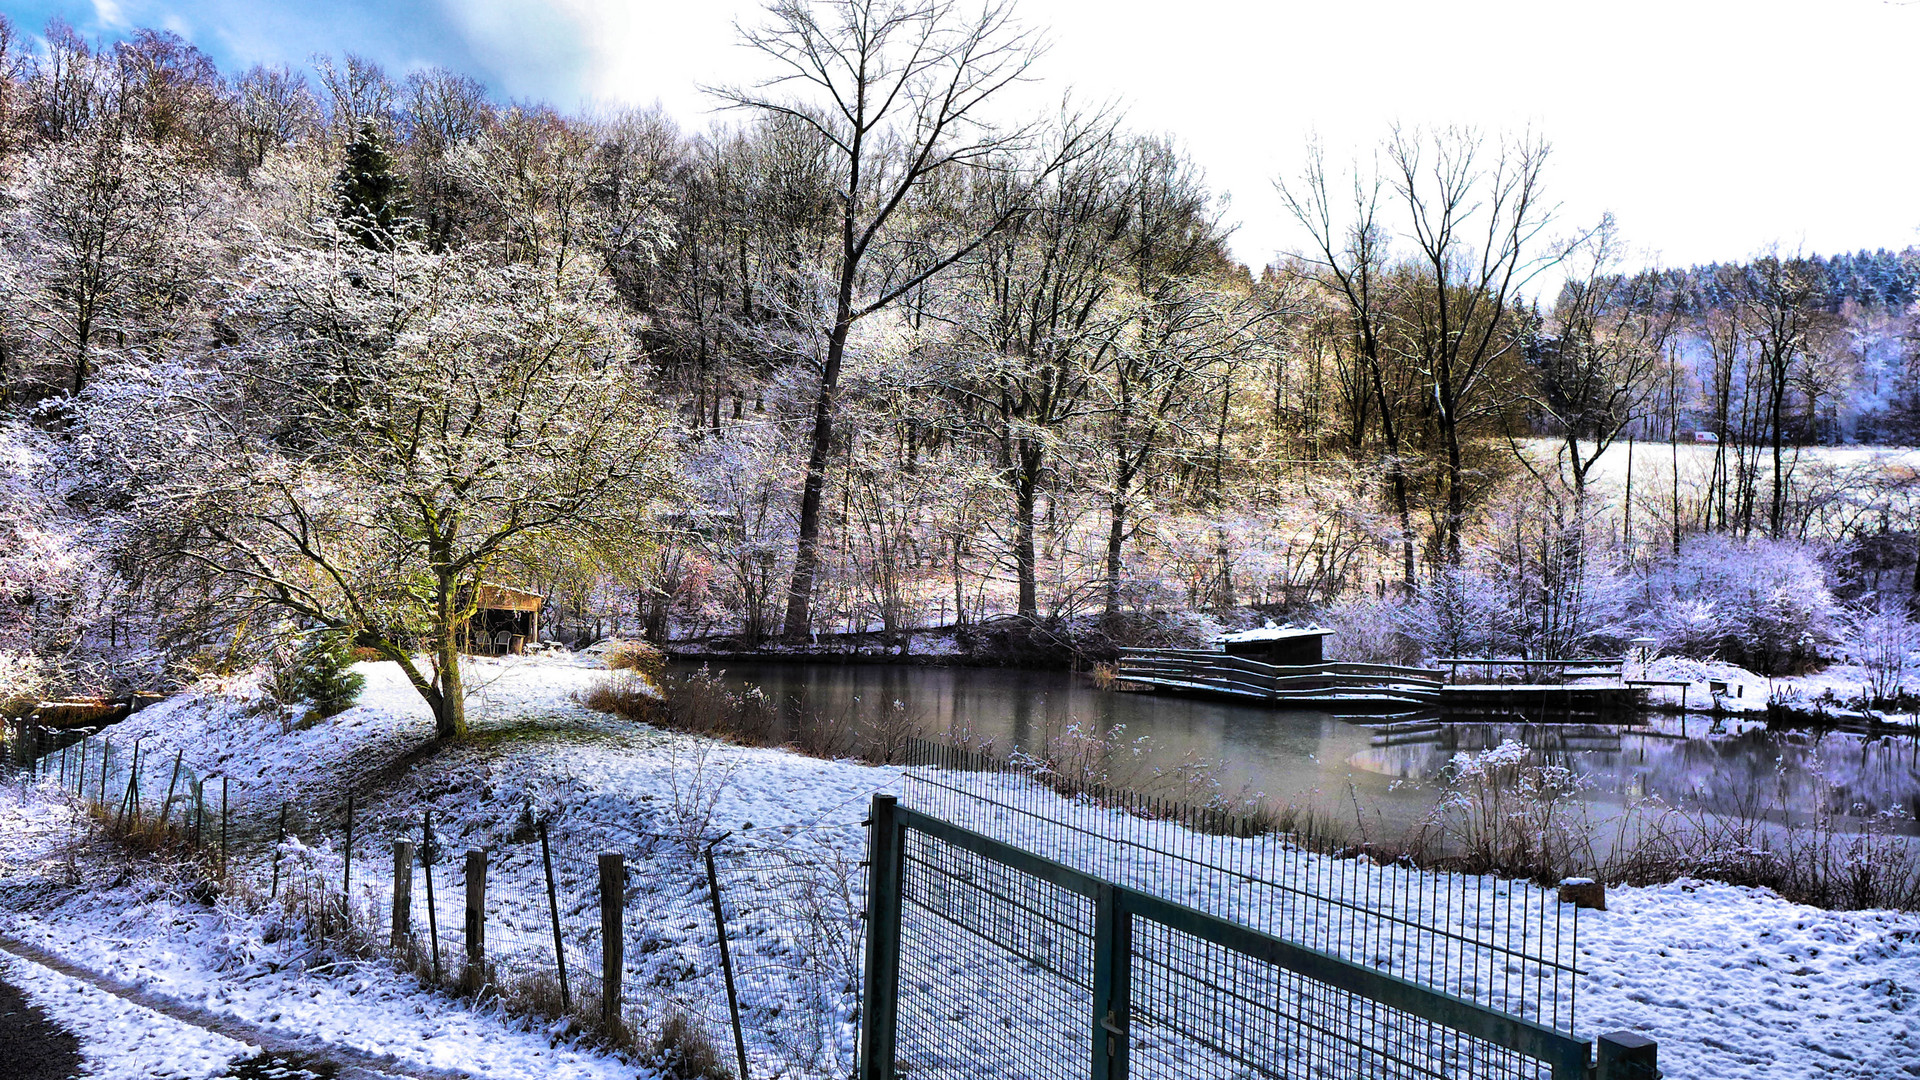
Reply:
x=637 y=656
x=626 y=694
x=884 y=739
x=701 y=703
x=1826 y=861
x=1505 y=811
x=683 y=1049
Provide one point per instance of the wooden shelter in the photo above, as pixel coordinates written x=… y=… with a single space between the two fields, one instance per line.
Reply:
x=505 y=620
x=1286 y=646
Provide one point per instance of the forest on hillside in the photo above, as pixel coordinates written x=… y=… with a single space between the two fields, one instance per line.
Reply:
x=284 y=351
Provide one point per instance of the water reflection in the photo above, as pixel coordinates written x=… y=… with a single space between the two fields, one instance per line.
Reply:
x=1386 y=773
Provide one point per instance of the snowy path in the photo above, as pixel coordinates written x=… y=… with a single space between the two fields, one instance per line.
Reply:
x=119 y=1037
x=128 y=1026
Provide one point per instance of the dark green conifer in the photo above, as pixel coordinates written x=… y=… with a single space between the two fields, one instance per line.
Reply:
x=372 y=199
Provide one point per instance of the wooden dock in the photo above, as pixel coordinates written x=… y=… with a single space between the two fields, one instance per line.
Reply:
x=1583 y=689
x=1331 y=685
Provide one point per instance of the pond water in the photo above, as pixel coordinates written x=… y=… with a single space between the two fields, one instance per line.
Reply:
x=1388 y=775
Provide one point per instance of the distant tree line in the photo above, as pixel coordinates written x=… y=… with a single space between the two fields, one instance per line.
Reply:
x=284 y=350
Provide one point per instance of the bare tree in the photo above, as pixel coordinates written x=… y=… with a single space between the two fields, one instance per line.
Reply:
x=107 y=231
x=1192 y=325
x=1349 y=258
x=273 y=107
x=1476 y=219
x=898 y=89
x=1034 y=319
x=1603 y=354
x=1783 y=303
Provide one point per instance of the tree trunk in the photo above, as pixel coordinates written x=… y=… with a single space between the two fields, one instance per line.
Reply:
x=450 y=712
x=1777 y=512
x=1456 y=493
x=1026 y=486
x=806 y=556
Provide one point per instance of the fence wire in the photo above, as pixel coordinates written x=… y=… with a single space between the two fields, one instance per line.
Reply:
x=791 y=913
x=996 y=969
x=1507 y=945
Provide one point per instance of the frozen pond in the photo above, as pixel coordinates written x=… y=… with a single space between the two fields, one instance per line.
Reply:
x=1332 y=764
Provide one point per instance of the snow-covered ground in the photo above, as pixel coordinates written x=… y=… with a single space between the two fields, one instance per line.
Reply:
x=1733 y=982
x=119 y=1038
x=148 y=931
x=1717 y=686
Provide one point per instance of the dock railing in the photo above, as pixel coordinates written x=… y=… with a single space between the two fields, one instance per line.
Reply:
x=1612 y=669
x=1201 y=669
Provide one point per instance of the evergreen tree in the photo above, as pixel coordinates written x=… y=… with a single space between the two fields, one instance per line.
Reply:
x=324 y=673
x=372 y=198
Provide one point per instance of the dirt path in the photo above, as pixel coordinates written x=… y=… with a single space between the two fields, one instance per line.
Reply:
x=31 y=1041
x=320 y=1058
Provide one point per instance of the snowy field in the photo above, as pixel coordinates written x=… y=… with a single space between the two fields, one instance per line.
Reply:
x=1732 y=982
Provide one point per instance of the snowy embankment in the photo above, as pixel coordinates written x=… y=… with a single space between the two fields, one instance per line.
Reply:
x=1719 y=687
x=1733 y=982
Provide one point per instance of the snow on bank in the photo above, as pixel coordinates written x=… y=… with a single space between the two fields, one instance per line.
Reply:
x=232 y=727
x=1711 y=685
x=119 y=1038
x=1714 y=685
x=1736 y=983
x=1733 y=982
x=149 y=933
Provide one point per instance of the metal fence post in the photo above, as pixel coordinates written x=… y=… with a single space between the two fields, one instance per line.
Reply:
x=553 y=911
x=726 y=963
x=402 y=894
x=1112 y=981
x=476 y=910
x=885 y=841
x=1626 y=1056
x=346 y=874
x=613 y=945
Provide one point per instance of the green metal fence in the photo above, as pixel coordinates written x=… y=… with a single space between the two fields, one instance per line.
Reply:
x=987 y=960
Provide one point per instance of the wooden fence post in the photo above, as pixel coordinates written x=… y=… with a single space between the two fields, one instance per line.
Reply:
x=476 y=909
x=613 y=951
x=402 y=894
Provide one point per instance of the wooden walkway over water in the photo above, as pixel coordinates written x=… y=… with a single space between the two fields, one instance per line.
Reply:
x=1582 y=689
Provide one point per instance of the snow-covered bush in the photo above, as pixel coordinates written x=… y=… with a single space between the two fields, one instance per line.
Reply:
x=1883 y=643
x=1507 y=810
x=1370 y=630
x=1763 y=604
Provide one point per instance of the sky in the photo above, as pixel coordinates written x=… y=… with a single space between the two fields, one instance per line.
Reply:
x=1711 y=130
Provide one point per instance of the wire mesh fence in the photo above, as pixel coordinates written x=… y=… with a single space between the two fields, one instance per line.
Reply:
x=989 y=958
x=996 y=968
x=1507 y=945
